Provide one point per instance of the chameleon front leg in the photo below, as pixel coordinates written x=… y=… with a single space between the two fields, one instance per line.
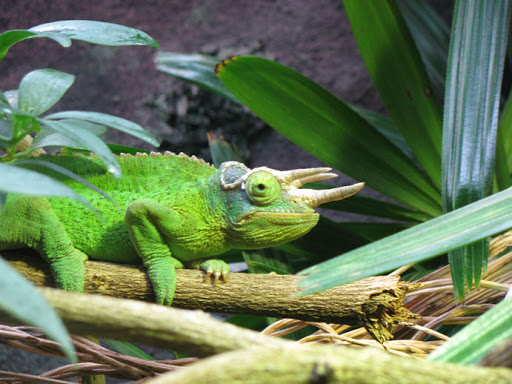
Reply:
x=29 y=222
x=150 y=226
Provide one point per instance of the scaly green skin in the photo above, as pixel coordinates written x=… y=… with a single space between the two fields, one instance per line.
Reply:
x=173 y=212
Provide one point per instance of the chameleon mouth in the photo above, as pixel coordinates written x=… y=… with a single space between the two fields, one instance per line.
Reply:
x=283 y=218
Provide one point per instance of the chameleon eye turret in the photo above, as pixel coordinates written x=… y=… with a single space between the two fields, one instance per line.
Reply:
x=262 y=188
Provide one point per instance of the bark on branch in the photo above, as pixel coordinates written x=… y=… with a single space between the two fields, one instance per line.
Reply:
x=245 y=356
x=194 y=333
x=375 y=303
x=291 y=363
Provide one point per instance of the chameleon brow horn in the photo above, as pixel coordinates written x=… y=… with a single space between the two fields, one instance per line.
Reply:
x=298 y=177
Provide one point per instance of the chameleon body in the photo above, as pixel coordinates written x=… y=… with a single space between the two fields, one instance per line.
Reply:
x=173 y=211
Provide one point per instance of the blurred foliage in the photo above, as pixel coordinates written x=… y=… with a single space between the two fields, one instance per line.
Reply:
x=21 y=114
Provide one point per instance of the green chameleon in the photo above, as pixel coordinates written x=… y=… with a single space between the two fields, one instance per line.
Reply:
x=173 y=211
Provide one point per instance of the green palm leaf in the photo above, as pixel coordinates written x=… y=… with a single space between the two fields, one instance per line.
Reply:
x=397 y=71
x=452 y=230
x=475 y=67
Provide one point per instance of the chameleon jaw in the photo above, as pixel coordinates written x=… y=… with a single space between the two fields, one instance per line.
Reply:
x=282 y=217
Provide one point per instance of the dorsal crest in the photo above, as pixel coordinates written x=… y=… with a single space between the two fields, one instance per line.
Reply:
x=181 y=155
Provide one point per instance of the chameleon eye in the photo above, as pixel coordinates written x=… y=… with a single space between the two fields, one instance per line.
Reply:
x=262 y=188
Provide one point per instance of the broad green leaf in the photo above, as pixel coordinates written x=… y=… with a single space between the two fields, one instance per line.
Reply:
x=49 y=138
x=85 y=139
x=473 y=86
x=118 y=123
x=62 y=32
x=477 y=339
x=195 y=69
x=97 y=32
x=42 y=89
x=397 y=71
x=325 y=126
x=452 y=230
x=20 y=299
x=432 y=37
x=127 y=349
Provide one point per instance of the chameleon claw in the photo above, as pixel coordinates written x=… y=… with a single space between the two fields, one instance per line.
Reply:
x=207 y=275
x=215 y=271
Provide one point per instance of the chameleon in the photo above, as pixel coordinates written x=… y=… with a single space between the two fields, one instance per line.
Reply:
x=171 y=211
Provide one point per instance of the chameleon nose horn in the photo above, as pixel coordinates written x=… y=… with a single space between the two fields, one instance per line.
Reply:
x=324 y=196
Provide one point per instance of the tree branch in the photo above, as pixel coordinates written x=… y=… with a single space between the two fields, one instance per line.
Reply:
x=289 y=363
x=243 y=355
x=375 y=303
x=194 y=333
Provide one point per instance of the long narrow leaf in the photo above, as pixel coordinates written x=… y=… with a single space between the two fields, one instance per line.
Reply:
x=325 y=126
x=24 y=181
x=455 y=229
x=385 y=126
x=35 y=163
x=47 y=137
x=21 y=299
x=477 y=339
x=114 y=122
x=505 y=128
x=475 y=67
x=432 y=37
x=397 y=71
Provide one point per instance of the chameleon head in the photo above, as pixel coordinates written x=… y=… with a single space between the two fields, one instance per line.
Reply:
x=266 y=207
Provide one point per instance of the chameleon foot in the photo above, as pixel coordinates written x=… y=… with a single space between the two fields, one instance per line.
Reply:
x=215 y=270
